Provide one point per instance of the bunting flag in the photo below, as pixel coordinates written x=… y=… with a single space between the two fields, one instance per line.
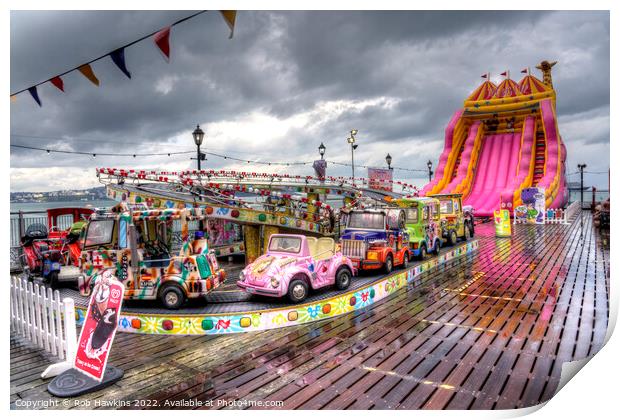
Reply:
x=35 y=94
x=87 y=71
x=13 y=98
x=485 y=76
x=162 y=40
x=229 y=17
x=505 y=74
x=526 y=70
x=57 y=81
x=118 y=57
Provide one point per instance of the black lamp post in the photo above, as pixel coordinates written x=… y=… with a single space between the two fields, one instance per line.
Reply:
x=429 y=164
x=581 y=167
x=198 y=135
x=351 y=141
x=388 y=160
x=322 y=150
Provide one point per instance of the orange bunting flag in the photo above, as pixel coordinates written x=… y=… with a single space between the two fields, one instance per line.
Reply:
x=229 y=16
x=13 y=98
x=87 y=71
x=57 y=81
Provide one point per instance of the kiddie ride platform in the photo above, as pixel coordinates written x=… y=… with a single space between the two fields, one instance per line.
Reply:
x=231 y=310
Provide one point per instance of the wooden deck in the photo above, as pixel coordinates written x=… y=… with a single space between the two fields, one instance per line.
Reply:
x=490 y=330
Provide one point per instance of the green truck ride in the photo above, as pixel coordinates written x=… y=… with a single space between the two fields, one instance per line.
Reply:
x=422 y=224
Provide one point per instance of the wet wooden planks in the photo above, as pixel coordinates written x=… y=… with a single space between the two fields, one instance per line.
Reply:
x=490 y=330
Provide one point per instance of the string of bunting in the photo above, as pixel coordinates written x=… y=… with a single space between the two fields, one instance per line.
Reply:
x=193 y=177
x=94 y=154
x=226 y=157
x=161 y=38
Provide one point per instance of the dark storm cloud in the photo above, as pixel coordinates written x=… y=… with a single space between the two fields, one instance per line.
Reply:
x=401 y=75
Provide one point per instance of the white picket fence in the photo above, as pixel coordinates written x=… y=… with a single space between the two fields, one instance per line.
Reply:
x=556 y=216
x=38 y=315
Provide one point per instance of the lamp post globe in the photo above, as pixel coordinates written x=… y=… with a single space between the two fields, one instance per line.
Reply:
x=198 y=136
x=322 y=150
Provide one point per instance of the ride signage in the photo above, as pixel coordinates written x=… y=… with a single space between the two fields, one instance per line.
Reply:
x=380 y=179
x=99 y=326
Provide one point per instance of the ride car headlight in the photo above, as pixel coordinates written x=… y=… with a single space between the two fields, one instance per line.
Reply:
x=373 y=255
x=241 y=275
x=275 y=282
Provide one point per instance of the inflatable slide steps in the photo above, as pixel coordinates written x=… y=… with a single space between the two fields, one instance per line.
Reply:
x=458 y=161
x=539 y=159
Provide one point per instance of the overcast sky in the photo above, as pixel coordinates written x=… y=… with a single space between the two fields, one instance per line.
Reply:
x=286 y=82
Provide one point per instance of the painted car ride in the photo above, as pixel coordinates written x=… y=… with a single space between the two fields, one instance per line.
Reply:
x=422 y=224
x=376 y=239
x=454 y=222
x=137 y=245
x=293 y=265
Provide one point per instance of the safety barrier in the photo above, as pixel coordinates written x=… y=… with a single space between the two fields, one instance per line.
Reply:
x=38 y=315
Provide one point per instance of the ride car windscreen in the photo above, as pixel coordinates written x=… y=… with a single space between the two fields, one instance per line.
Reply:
x=366 y=221
x=284 y=244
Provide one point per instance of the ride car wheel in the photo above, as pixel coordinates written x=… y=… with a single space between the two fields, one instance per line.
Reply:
x=466 y=232
x=389 y=264
x=406 y=260
x=343 y=278
x=172 y=297
x=452 y=238
x=297 y=290
x=471 y=230
x=53 y=279
x=422 y=252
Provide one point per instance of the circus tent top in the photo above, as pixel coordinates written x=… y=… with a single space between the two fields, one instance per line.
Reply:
x=530 y=84
x=485 y=91
x=508 y=88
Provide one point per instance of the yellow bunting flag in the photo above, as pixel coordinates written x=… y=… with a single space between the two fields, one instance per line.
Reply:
x=87 y=71
x=229 y=16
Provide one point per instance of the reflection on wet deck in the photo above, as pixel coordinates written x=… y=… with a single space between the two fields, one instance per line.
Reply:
x=490 y=330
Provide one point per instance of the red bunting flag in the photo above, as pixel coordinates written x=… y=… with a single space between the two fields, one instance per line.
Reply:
x=229 y=17
x=162 y=40
x=87 y=71
x=526 y=70
x=504 y=73
x=57 y=81
x=485 y=76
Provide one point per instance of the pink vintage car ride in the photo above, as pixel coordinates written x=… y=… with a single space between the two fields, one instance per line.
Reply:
x=293 y=265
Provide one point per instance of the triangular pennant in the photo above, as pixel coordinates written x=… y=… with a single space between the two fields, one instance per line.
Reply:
x=229 y=17
x=162 y=40
x=485 y=76
x=57 y=81
x=87 y=71
x=118 y=56
x=35 y=94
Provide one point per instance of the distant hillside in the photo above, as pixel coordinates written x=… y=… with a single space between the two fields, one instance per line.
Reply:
x=97 y=193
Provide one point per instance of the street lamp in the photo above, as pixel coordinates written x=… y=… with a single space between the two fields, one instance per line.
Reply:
x=351 y=141
x=581 y=167
x=388 y=160
x=429 y=164
x=322 y=150
x=198 y=135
